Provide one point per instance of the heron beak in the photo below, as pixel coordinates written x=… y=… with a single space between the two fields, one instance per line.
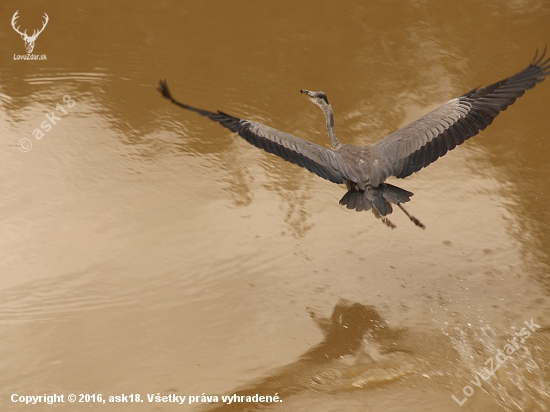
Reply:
x=306 y=92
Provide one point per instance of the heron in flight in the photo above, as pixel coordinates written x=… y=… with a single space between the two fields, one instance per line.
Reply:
x=364 y=169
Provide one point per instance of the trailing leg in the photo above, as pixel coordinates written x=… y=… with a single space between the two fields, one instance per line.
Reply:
x=413 y=219
x=384 y=219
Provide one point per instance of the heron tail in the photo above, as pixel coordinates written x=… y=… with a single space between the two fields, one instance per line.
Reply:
x=380 y=197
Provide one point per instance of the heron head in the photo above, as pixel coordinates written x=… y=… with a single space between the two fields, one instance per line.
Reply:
x=319 y=98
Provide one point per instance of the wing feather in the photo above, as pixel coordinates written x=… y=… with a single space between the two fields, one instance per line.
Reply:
x=323 y=162
x=425 y=140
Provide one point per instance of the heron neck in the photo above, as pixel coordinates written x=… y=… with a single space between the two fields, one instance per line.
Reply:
x=330 y=126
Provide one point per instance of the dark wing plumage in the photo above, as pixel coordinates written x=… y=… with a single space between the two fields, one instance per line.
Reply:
x=317 y=159
x=425 y=140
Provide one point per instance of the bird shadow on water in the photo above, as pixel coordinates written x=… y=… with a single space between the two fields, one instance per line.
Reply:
x=359 y=350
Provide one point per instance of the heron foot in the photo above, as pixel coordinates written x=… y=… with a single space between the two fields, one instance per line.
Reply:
x=384 y=219
x=413 y=219
x=388 y=223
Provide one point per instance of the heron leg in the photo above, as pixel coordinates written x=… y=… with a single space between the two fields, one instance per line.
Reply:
x=385 y=220
x=389 y=223
x=413 y=219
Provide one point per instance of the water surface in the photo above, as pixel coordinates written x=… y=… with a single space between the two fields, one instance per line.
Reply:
x=147 y=250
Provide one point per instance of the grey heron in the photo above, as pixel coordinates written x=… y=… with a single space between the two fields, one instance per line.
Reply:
x=364 y=169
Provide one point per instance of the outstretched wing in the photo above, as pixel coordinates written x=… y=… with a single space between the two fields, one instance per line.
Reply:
x=317 y=159
x=425 y=140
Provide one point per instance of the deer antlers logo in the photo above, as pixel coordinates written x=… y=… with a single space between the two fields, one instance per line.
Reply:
x=29 y=40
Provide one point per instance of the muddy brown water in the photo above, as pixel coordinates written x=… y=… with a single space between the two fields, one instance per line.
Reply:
x=148 y=251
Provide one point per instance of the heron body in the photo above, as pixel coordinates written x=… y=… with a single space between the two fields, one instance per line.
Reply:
x=364 y=169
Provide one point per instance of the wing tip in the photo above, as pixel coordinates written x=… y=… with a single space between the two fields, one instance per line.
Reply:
x=164 y=90
x=540 y=62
